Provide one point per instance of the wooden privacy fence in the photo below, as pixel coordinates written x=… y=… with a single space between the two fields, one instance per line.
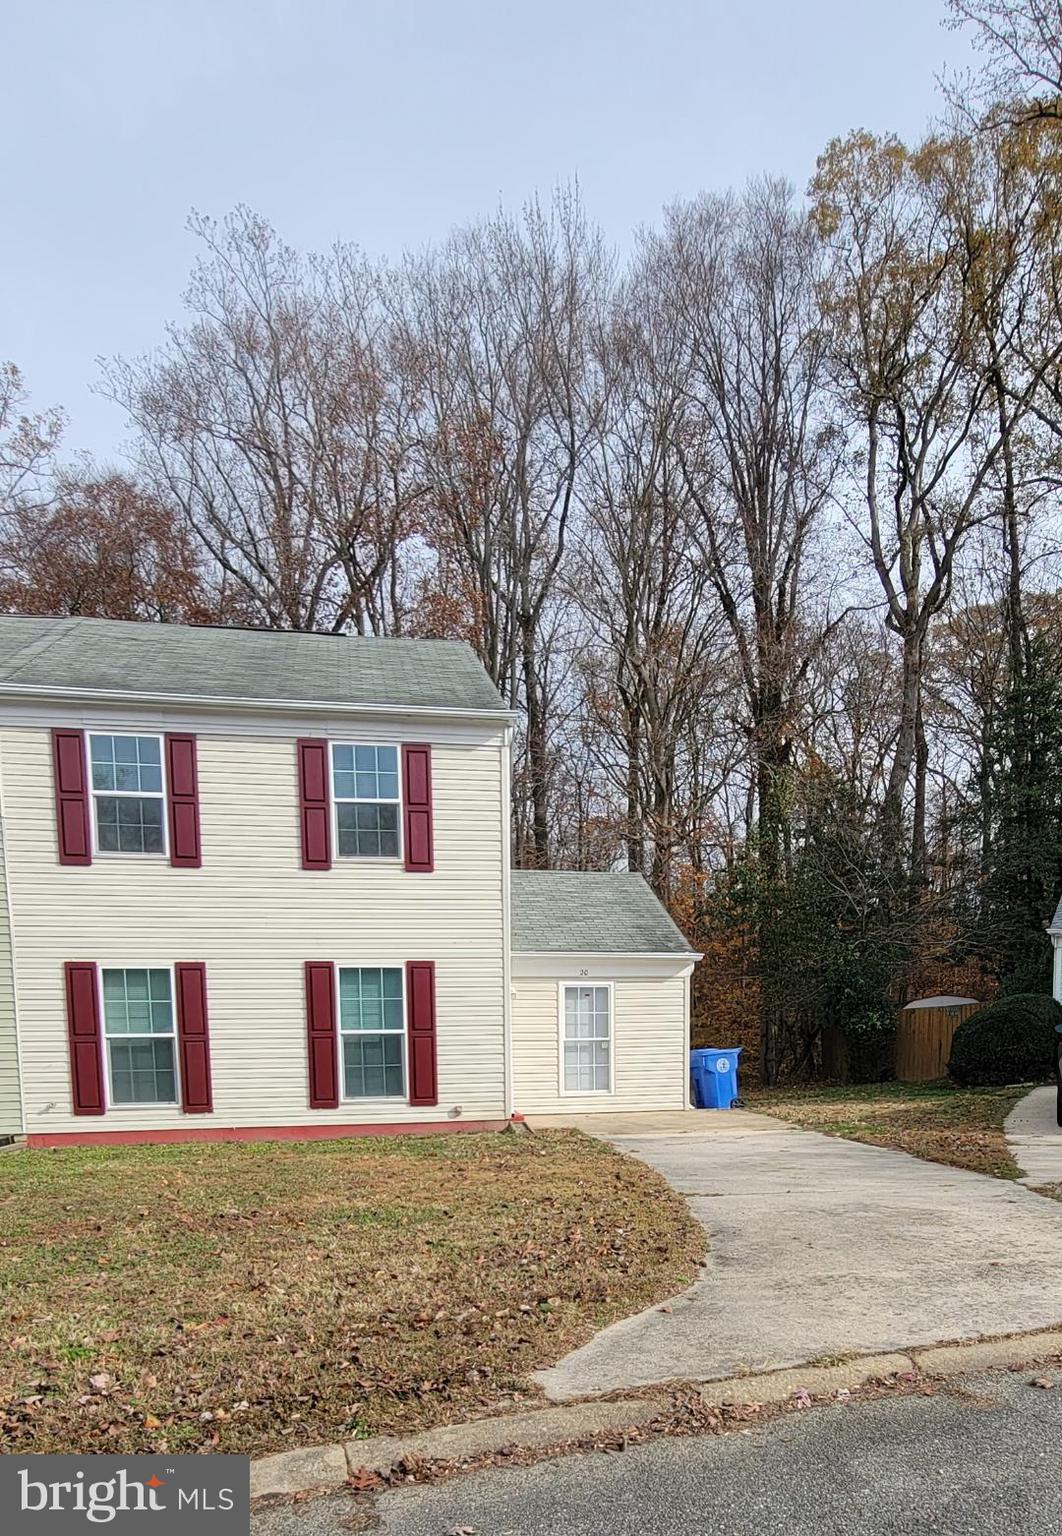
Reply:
x=924 y=1033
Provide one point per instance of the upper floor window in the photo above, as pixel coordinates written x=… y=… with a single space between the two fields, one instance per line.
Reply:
x=366 y=795
x=128 y=794
x=139 y=1030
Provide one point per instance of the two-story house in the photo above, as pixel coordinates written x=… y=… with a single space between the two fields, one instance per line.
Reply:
x=257 y=884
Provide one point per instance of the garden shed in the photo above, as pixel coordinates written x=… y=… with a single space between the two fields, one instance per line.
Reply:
x=924 y=1033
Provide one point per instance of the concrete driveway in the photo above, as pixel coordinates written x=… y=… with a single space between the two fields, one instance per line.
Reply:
x=821 y=1247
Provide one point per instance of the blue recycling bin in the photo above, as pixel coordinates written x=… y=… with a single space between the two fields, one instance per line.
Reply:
x=713 y=1078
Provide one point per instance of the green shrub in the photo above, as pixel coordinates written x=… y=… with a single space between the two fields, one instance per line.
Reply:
x=1010 y=1041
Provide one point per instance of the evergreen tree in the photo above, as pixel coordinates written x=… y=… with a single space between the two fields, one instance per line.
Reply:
x=1023 y=872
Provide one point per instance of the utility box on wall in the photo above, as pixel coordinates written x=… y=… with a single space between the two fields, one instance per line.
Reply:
x=924 y=1033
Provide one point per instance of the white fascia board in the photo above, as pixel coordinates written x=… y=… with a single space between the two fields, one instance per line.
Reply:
x=600 y=965
x=251 y=706
x=610 y=954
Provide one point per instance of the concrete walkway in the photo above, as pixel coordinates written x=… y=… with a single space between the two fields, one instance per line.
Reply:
x=821 y=1247
x=1035 y=1137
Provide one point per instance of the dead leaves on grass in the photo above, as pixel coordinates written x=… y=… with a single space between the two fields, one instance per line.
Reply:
x=960 y=1127
x=252 y=1301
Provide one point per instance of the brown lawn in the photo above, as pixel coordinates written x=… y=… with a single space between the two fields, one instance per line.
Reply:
x=255 y=1297
x=944 y=1124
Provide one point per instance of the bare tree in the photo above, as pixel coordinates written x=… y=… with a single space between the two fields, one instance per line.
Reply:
x=755 y=448
x=756 y=453
x=651 y=668
x=1021 y=45
x=499 y=324
x=920 y=323
x=27 y=442
x=268 y=421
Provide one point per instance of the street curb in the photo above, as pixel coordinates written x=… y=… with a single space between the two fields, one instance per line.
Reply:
x=324 y=1468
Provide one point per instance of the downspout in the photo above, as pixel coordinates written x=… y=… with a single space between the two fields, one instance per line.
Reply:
x=1056 y=941
x=686 y=1036
x=506 y=895
x=8 y=913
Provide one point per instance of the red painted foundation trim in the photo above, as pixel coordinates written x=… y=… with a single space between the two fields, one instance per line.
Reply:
x=44 y=1140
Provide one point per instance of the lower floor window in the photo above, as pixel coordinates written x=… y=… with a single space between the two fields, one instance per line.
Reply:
x=372 y=1033
x=587 y=1040
x=139 y=1032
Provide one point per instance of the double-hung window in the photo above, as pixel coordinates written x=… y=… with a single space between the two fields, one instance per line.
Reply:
x=372 y=1036
x=586 y=1027
x=366 y=795
x=138 y=1027
x=128 y=793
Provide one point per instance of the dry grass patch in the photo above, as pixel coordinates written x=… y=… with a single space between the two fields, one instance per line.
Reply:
x=250 y=1298
x=959 y=1126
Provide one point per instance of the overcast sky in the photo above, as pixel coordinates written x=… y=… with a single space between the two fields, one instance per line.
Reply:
x=386 y=122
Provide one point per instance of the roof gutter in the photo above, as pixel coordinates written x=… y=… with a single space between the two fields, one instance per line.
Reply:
x=610 y=954
x=268 y=706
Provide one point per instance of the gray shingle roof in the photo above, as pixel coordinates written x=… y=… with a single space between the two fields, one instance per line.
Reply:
x=246 y=664
x=1055 y=925
x=571 y=912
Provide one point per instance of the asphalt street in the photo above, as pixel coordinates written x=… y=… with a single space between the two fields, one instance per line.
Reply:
x=983 y=1456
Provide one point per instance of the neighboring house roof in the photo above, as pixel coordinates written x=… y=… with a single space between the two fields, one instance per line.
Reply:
x=1055 y=925
x=563 y=911
x=110 y=656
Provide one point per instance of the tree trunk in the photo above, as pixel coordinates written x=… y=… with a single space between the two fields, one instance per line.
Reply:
x=904 y=754
x=919 y=858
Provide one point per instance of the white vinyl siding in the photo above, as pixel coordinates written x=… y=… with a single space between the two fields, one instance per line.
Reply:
x=254 y=916
x=648 y=1045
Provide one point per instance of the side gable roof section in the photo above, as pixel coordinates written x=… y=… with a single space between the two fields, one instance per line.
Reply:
x=585 y=913
x=1054 y=927
x=112 y=659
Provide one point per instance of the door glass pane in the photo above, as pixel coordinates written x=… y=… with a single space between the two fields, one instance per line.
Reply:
x=587 y=1039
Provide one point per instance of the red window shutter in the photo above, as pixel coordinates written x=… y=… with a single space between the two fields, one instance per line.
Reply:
x=193 y=1038
x=182 y=783
x=416 y=806
x=71 y=797
x=315 y=805
x=321 y=1034
x=85 y=1036
x=420 y=1030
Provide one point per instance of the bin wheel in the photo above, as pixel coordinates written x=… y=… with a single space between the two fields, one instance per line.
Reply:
x=739 y=1103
